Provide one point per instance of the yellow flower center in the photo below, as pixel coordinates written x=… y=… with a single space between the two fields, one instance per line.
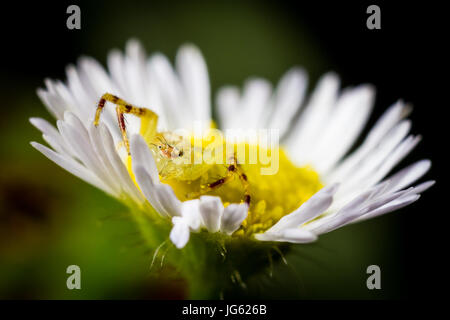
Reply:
x=273 y=193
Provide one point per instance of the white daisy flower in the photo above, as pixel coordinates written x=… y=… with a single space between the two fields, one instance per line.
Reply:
x=317 y=188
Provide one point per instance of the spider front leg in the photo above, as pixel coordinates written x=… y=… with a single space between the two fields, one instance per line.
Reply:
x=233 y=170
x=237 y=170
x=149 y=119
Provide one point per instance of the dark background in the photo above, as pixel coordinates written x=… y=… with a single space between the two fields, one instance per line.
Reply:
x=405 y=59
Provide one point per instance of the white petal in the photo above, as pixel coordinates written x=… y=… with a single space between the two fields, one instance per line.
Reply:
x=409 y=175
x=179 y=234
x=99 y=147
x=74 y=168
x=254 y=103
x=168 y=199
x=381 y=130
x=44 y=126
x=346 y=122
x=364 y=161
x=377 y=168
x=293 y=235
x=66 y=97
x=150 y=191
x=95 y=76
x=349 y=212
x=53 y=105
x=211 y=209
x=394 y=158
x=391 y=206
x=303 y=137
x=135 y=70
x=315 y=206
x=86 y=98
x=142 y=156
x=423 y=186
x=171 y=91
x=232 y=217
x=160 y=196
x=116 y=67
x=407 y=197
x=193 y=74
x=388 y=120
x=118 y=166
x=76 y=135
x=55 y=144
x=381 y=200
x=190 y=212
x=155 y=102
x=288 y=98
x=227 y=102
x=82 y=94
x=296 y=235
x=51 y=135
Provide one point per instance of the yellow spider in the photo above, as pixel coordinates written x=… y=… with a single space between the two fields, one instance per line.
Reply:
x=174 y=154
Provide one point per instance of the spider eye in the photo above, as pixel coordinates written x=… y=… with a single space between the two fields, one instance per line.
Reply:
x=159 y=147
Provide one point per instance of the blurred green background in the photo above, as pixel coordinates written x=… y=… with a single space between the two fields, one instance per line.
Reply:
x=50 y=219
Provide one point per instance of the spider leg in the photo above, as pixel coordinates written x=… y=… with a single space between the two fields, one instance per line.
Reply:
x=236 y=168
x=244 y=181
x=161 y=172
x=148 y=118
x=233 y=170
